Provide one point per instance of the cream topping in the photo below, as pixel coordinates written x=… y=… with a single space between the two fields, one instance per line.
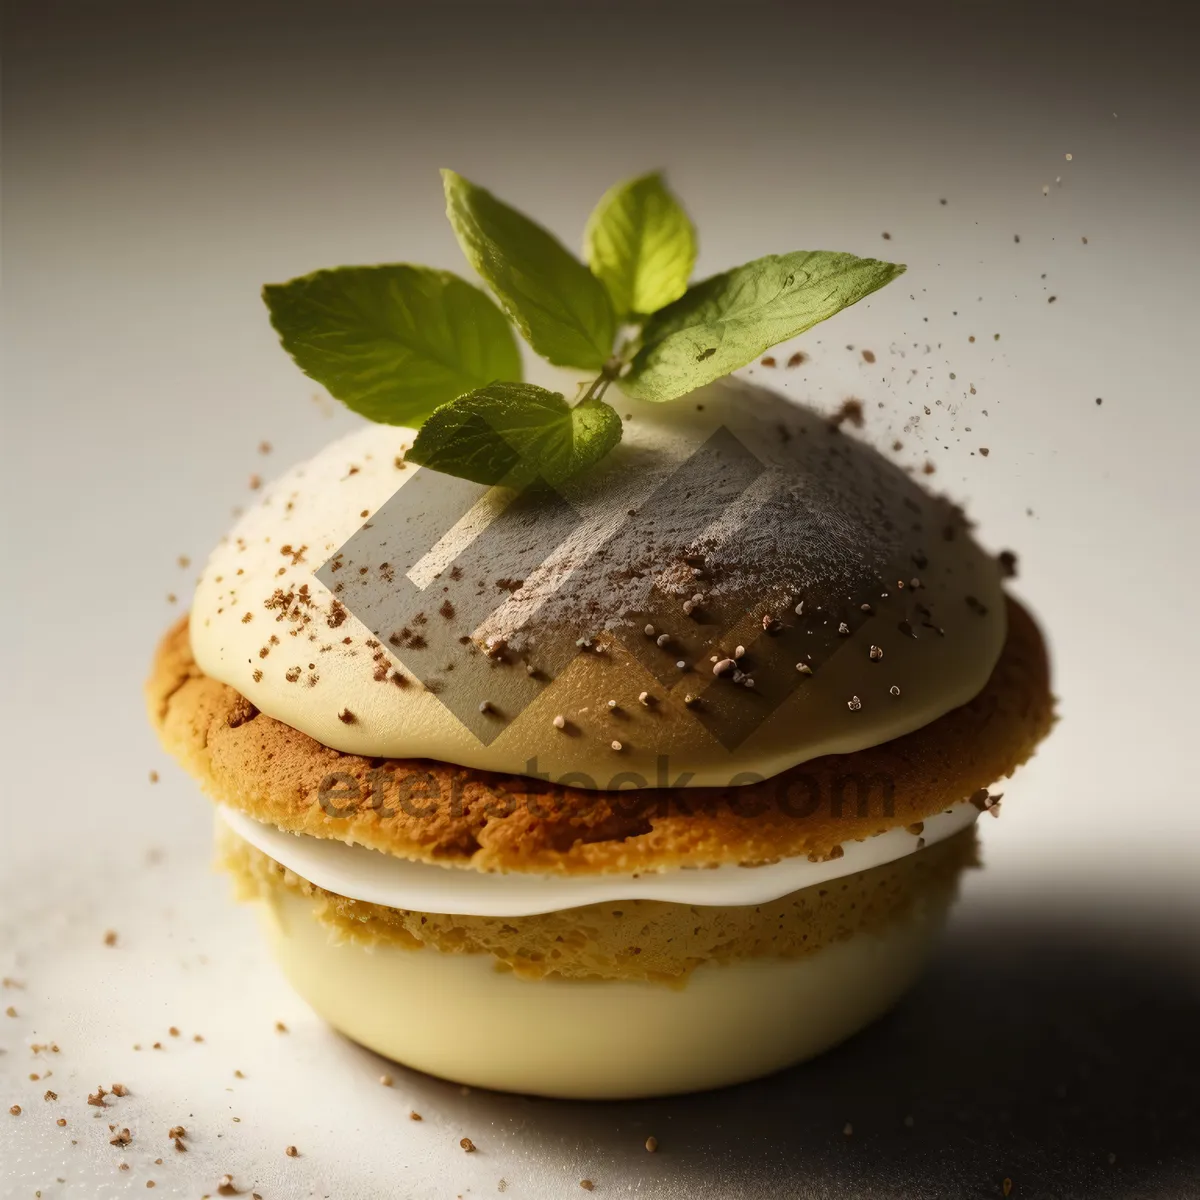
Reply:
x=443 y=622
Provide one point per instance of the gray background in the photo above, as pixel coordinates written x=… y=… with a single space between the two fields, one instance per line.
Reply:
x=162 y=161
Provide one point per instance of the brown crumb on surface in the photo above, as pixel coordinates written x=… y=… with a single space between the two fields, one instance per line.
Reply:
x=280 y=1027
x=50 y=1096
x=652 y=1144
x=225 y=1186
x=385 y=1080
x=467 y=1145
x=347 y=717
x=264 y=447
x=847 y=1129
x=255 y=482
x=97 y=1097
x=292 y=1152
x=415 y=1116
x=984 y=451
x=238 y=1075
x=176 y=1131
x=61 y=1122
x=797 y=359
x=586 y=1184
x=150 y=1183
x=173 y=1031
x=119 y=1089
x=850 y=411
x=868 y=356
x=123 y=1138
x=10 y=1011
x=110 y=938
x=179 y=1144
x=15 y=1110
x=768 y=361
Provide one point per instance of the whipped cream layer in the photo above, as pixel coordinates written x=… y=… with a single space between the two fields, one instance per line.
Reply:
x=451 y=622
x=367 y=875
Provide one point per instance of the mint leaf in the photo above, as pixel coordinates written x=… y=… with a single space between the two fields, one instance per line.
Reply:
x=560 y=307
x=727 y=321
x=514 y=432
x=393 y=342
x=641 y=245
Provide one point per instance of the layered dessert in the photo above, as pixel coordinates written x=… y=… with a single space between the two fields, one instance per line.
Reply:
x=585 y=773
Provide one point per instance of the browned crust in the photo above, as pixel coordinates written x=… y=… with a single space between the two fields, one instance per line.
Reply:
x=439 y=812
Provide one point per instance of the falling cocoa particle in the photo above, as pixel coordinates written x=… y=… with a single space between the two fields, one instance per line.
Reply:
x=1008 y=564
x=868 y=356
x=447 y=610
x=347 y=717
x=652 y=1143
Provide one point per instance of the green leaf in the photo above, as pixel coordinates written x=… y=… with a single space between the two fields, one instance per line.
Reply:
x=393 y=342
x=514 y=432
x=727 y=321
x=560 y=307
x=641 y=245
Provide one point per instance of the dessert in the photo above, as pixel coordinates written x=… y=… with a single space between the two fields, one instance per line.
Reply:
x=583 y=752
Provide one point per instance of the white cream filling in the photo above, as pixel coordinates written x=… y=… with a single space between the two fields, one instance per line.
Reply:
x=376 y=878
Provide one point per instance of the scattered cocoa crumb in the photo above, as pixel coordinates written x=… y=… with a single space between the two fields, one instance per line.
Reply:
x=119 y=1089
x=848 y=1129
x=264 y=447
x=652 y=1144
x=15 y=1110
x=347 y=717
x=769 y=361
x=1008 y=564
x=150 y=1183
x=415 y=1116
x=928 y=468
x=121 y=1139
x=173 y=1031
x=467 y=1145
x=110 y=938
x=280 y=1027
x=852 y=411
x=197 y=1037
x=50 y=1096
x=385 y=1080
x=10 y=1011
x=61 y=1122
x=153 y=776
x=887 y=237
x=868 y=356
x=255 y=482
x=292 y=1152
x=238 y=1075
x=984 y=451
x=157 y=1046
x=797 y=358
x=179 y=1145
x=172 y=598
x=176 y=1131
x=225 y=1186
x=97 y=1097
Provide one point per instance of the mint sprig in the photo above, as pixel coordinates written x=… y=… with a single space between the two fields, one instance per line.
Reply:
x=393 y=342
x=405 y=345
x=560 y=307
x=641 y=245
x=512 y=433
x=727 y=321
